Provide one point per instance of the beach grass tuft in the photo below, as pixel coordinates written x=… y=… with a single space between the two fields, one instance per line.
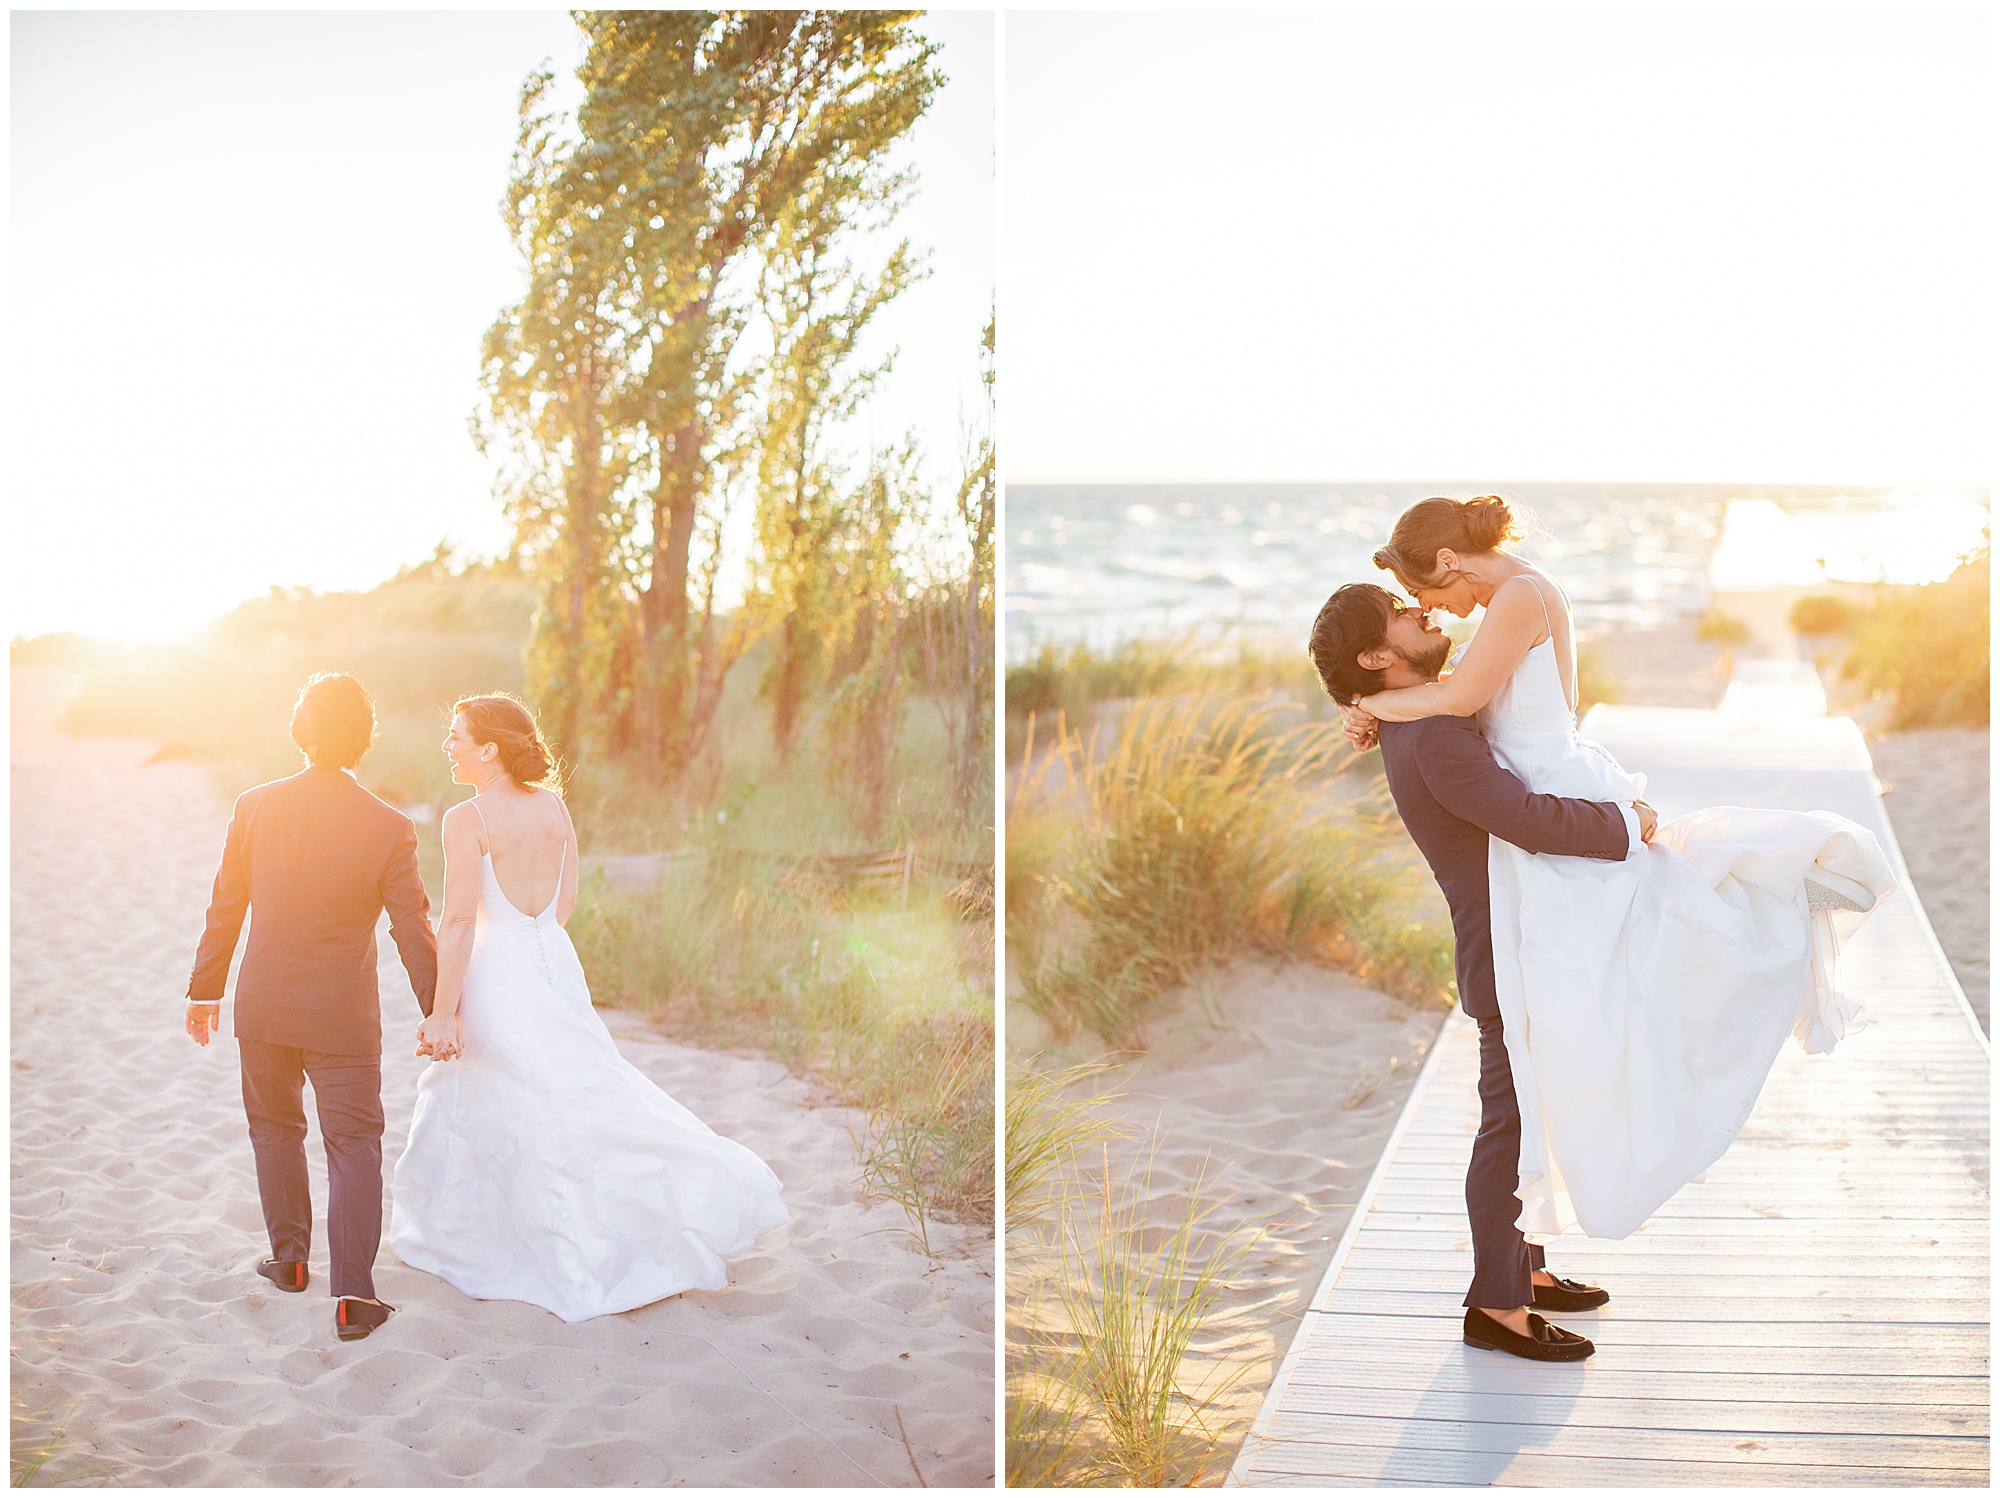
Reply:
x=1047 y=1132
x=1201 y=828
x=1111 y=1289
x=1137 y=1291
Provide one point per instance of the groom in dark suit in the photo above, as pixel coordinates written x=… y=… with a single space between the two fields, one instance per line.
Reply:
x=317 y=859
x=1453 y=795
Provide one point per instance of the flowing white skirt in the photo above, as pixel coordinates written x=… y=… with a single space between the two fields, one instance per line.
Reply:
x=1644 y=1002
x=544 y=1167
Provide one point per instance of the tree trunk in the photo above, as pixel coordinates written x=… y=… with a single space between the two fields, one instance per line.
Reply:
x=661 y=706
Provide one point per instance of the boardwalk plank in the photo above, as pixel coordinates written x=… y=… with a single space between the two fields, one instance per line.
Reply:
x=1444 y=1300
x=1813 y=1313
x=1317 y=1464
x=1739 y=1448
x=1359 y=1396
x=1843 y=1282
x=1945 y=1343
x=1432 y=1357
x=1654 y=1373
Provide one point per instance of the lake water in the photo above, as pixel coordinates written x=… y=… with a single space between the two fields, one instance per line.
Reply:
x=1105 y=562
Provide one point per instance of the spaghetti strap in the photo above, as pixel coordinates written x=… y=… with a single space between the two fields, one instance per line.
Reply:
x=1547 y=623
x=474 y=804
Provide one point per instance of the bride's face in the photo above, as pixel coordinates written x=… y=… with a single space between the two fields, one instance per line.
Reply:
x=463 y=752
x=1448 y=589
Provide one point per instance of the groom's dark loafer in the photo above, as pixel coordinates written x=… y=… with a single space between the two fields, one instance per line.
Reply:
x=1568 y=1295
x=1547 y=1344
x=354 y=1317
x=287 y=1275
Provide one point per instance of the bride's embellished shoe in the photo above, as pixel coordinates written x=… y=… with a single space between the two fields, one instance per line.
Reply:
x=1826 y=890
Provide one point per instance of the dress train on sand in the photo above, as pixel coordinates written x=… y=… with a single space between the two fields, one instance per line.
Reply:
x=543 y=1166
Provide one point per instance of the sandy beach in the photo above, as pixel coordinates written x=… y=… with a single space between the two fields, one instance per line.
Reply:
x=147 y=1351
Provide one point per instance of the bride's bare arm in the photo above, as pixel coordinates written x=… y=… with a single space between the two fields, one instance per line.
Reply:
x=1513 y=621
x=460 y=917
x=566 y=892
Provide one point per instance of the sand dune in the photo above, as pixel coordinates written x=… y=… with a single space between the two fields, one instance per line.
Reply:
x=146 y=1351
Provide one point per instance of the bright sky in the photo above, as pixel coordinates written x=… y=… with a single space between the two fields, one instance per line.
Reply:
x=1713 y=245
x=253 y=255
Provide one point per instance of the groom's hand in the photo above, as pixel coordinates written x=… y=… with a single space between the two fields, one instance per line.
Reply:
x=1649 y=821
x=202 y=1020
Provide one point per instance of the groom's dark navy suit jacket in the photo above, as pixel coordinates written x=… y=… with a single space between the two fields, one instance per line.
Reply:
x=315 y=859
x=1452 y=794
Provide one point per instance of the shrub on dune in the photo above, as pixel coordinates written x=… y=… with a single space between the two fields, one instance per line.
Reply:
x=1930 y=648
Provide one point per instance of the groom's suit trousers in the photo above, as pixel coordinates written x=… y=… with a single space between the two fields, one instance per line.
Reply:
x=348 y=1093
x=1502 y=1260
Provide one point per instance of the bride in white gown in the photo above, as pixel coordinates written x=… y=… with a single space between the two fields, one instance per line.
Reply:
x=541 y=1165
x=1642 y=1002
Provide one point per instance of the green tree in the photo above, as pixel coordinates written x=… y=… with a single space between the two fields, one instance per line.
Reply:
x=710 y=138
x=818 y=306
x=550 y=366
x=714 y=168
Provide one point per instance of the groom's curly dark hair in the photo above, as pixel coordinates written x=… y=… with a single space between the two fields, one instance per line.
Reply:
x=334 y=720
x=1355 y=619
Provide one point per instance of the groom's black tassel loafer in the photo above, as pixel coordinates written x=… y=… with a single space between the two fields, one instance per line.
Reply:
x=354 y=1317
x=1548 y=1344
x=285 y=1274
x=1568 y=1295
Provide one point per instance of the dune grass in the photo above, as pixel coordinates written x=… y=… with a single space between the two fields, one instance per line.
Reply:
x=1929 y=648
x=1047 y=1131
x=1201 y=829
x=1108 y=1292
x=1070 y=681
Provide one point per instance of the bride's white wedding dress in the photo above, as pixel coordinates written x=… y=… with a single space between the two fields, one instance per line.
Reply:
x=542 y=1166
x=1643 y=1002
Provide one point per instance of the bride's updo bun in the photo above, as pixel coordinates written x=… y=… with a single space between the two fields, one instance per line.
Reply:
x=1466 y=526
x=503 y=720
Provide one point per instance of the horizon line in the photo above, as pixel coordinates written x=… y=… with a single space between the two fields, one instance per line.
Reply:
x=1979 y=487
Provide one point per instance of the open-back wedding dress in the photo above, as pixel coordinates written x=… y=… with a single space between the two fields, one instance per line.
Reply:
x=1643 y=1002
x=543 y=1166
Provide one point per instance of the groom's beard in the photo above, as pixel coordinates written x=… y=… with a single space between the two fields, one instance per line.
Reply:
x=1428 y=661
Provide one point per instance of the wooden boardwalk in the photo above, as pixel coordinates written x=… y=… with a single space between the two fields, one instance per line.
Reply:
x=1813 y=1314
